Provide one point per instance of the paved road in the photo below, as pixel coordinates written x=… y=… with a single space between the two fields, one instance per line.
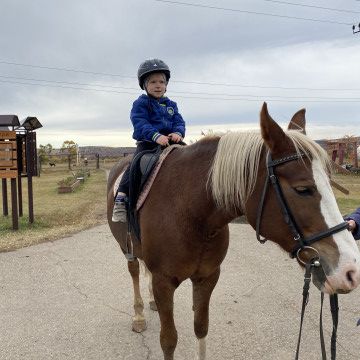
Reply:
x=71 y=299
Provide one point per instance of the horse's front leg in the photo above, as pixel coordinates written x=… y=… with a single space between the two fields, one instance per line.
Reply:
x=202 y=289
x=164 y=290
x=152 y=302
x=139 y=322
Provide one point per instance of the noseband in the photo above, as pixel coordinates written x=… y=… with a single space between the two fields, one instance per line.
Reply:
x=301 y=242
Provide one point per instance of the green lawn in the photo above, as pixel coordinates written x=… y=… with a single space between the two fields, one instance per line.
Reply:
x=55 y=214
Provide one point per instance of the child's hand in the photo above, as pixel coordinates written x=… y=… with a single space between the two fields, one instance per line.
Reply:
x=352 y=225
x=174 y=137
x=163 y=140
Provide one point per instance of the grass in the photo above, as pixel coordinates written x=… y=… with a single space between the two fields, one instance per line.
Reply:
x=55 y=215
x=348 y=203
x=58 y=215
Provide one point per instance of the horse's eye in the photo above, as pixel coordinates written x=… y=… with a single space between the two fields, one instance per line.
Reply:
x=304 y=191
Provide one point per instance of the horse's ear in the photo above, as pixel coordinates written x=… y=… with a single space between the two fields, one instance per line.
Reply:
x=274 y=137
x=298 y=122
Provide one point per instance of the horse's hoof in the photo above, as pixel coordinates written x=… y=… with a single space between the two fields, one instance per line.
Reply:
x=139 y=326
x=153 y=305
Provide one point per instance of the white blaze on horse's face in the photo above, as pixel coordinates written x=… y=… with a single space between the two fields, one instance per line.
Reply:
x=345 y=275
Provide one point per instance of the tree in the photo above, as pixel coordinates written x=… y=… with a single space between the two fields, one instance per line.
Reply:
x=44 y=152
x=69 y=147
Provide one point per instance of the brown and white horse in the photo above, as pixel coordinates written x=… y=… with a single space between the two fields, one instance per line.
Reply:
x=202 y=187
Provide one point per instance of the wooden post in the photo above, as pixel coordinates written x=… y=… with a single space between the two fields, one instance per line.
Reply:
x=29 y=148
x=356 y=163
x=4 y=196
x=31 y=203
x=8 y=170
x=98 y=161
x=20 y=195
x=14 y=210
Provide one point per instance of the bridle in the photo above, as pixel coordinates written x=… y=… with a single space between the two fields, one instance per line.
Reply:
x=301 y=243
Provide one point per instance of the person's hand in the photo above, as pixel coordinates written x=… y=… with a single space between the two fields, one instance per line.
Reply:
x=352 y=225
x=163 y=140
x=175 y=137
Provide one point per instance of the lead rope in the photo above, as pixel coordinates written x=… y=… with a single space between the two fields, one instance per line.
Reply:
x=305 y=293
x=334 y=306
x=322 y=342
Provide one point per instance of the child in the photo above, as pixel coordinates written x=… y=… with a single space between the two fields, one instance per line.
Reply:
x=354 y=223
x=155 y=118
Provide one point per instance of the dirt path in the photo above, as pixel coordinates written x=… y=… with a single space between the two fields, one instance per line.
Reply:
x=71 y=299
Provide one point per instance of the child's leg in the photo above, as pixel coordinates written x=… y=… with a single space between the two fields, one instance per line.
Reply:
x=119 y=211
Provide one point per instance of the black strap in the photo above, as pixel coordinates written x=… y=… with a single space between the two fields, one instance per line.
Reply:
x=314 y=238
x=334 y=306
x=307 y=279
x=259 y=212
x=322 y=342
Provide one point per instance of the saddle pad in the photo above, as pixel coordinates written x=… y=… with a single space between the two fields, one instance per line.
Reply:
x=117 y=183
x=151 y=178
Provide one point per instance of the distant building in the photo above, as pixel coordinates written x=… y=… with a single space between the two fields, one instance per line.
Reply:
x=90 y=152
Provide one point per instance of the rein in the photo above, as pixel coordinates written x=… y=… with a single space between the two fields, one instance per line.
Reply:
x=311 y=267
x=301 y=244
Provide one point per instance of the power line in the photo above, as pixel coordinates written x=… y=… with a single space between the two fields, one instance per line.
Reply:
x=252 y=12
x=314 y=6
x=264 y=86
x=175 y=81
x=64 y=69
x=172 y=91
x=66 y=87
x=239 y=98
x=68 y=82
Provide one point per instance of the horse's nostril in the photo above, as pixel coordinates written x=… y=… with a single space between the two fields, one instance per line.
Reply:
x=349 y=276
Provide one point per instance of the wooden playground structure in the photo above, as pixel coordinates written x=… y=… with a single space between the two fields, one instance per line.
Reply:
x=344 y=149
x=18 y=159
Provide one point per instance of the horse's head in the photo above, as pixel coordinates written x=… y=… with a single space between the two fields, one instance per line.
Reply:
x=299 y=211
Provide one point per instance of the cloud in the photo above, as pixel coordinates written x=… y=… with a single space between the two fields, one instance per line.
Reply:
x=260 y=58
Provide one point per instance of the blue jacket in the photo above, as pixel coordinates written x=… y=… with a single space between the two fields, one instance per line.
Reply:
x=152 y=118
x=356 y=217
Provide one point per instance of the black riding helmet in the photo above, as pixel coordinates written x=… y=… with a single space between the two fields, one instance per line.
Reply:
x=152 y=66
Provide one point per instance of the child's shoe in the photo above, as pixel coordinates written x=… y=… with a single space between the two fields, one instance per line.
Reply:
x=119 y=210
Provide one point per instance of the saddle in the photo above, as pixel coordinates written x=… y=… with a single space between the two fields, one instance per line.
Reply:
x=141 y=168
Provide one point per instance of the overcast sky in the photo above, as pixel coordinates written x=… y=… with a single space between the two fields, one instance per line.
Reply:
x=73 y=64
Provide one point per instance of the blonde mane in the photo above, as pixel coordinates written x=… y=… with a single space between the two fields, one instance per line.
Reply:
x=234 y=171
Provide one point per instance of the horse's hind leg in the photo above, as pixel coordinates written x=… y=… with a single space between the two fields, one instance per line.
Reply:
x=202 y=289
x=164 y=290
x=139 y=323
x=152 y=302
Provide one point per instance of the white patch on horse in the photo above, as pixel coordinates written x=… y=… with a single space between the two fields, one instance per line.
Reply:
x=329 y=209
x=202 y=349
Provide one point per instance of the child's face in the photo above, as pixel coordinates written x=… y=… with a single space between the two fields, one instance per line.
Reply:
x=156 y=85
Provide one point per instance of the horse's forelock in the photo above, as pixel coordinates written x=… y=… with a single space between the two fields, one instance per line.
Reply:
x=235 y=167
x=310 y=148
